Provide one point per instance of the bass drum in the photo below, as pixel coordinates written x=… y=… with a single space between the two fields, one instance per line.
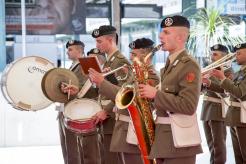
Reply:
x=21 y=83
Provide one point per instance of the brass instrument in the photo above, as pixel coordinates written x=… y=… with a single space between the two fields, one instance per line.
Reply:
x=139 y=108
x=157 y=48
x=226 y=60
x=88 y=83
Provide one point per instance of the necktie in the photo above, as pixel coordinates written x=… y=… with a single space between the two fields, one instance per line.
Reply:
x=167 y=64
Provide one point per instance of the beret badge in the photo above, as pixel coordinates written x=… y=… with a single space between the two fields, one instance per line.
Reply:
x=168 y=21
x=71 y=42
x=96 y=32
x=238 y=46
x=95 y=50
x=132 y=45
x=216 y=47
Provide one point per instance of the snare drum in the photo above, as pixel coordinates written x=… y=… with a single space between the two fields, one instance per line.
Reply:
x=78 y=115
x=21 y=83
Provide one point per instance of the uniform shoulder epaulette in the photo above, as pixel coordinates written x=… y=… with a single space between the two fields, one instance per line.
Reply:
x=185 y=59
x=119 y=55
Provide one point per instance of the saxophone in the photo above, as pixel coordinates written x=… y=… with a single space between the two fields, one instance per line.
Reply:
x=139 y=108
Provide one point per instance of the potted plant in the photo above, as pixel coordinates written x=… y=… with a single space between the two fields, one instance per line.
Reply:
x=209 y=27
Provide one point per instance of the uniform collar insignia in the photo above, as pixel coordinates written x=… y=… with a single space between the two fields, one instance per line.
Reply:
x=113 y=57
x=176 y=62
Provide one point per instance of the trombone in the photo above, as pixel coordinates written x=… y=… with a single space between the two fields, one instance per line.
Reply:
x=225 y=61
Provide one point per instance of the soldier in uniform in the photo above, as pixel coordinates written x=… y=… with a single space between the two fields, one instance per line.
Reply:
x=79 y=148
x=179 y=92
x=212 y=113
x=129 y=152
x=139 y=49
x=106 y=41
x=235 y=117
x=94 y=52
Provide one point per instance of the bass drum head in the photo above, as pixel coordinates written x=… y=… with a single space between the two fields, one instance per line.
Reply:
x=23 y=83
x=81 y=109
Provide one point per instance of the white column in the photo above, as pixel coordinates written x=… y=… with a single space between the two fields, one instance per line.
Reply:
x=2 y=36
x=115 y=13
x=23 y=27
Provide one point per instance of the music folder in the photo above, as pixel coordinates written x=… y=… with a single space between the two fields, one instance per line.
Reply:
x=90 y=62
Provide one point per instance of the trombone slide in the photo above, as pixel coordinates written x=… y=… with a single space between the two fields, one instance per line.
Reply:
x=228 y=59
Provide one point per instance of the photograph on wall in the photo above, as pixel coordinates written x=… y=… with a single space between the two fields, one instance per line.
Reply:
x=47 y=17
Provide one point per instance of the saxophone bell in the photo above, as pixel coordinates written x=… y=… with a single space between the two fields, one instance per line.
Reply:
x=125 y=96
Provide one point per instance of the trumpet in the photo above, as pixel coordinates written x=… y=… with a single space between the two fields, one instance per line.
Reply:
x=225 y=61
x=88 y=83
x=115 y=70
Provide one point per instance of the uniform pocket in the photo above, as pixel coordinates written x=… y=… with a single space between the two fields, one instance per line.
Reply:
x=170 y=89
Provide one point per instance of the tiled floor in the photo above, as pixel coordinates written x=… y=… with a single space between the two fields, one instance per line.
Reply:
x=52 y=155
x=31 y=155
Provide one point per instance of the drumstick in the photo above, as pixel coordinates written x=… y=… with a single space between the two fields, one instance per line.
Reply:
x=68 y=94
x=70 y=85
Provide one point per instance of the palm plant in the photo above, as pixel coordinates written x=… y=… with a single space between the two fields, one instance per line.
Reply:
x=210 y=28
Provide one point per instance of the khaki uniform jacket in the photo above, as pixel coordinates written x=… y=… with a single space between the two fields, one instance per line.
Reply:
x=92 y=92
x=212 y=110
x=115 y=61
x=153 y=76
x=119 y=143
x=237 y=90
x=179 y=93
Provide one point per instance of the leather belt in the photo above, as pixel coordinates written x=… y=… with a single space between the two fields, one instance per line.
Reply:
x=159 y=120
x=105 y=102
x=212 y=99
x=122 y=117
x=235 y=104
x=217 y=100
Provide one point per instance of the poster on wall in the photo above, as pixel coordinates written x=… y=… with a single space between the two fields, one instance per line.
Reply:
x=47 y=17
x=232 y=7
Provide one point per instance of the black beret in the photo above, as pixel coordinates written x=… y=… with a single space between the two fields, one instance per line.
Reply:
x=103 y=30
x=219 y=47
x=176 y=20
x=75 y=42
x=239 y=46
x=141 y=43
x=93 y=51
